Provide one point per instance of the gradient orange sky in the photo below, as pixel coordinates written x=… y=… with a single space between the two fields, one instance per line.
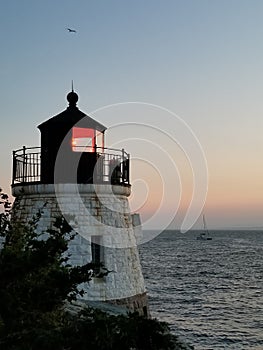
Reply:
x=202 y=60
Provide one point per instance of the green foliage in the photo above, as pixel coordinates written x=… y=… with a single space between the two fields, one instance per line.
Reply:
x=98 y=330
x=35 y=277
x=35 y=282
x=5 y=205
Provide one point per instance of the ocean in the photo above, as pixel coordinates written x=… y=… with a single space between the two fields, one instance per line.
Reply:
x=210 y=292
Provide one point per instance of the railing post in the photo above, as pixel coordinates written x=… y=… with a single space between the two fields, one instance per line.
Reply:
x=24 y=165
x=122 y=165
x=14 y=168
x=128 y=168
x=96 y=168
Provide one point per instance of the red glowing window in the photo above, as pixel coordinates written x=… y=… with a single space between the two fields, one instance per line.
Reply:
x=83 y=139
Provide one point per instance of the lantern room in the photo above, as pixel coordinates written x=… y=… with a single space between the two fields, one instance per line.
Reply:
x=72 y=151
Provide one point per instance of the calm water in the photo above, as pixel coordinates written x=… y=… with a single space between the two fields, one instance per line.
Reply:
x=210 y=292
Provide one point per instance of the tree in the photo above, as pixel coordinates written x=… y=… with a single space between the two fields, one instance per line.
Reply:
x=35 y=282
x=35 y=277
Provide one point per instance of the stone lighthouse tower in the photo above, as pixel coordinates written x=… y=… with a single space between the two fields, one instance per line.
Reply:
x=75 y=175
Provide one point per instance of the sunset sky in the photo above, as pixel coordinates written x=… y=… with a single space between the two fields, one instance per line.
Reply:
x=179 y=83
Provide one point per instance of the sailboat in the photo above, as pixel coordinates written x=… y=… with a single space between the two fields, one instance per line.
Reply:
x=204 y=235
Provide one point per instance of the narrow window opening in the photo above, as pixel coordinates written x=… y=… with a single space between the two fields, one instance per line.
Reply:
x=96 y=252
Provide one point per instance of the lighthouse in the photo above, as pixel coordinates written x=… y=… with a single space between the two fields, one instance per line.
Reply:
x=75 y=175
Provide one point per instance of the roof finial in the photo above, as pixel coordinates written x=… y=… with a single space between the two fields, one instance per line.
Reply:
x=72 y=97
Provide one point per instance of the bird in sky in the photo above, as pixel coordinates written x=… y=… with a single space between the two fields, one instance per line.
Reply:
x=71 y=30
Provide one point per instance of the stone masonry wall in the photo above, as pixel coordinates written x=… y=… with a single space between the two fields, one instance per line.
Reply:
x=92 y=210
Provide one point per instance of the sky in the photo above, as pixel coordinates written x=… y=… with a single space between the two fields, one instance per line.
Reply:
x=178 y=83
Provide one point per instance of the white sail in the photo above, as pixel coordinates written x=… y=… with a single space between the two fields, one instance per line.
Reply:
x=204 y=235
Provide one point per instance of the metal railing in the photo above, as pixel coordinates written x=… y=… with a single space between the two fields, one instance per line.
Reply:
x=112 y=165
x=26 y=165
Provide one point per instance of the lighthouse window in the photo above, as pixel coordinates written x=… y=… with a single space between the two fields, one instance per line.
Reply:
x=96 y=250
x=83 y=139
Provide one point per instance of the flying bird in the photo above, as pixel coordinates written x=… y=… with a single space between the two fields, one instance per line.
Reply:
x=71 y=30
